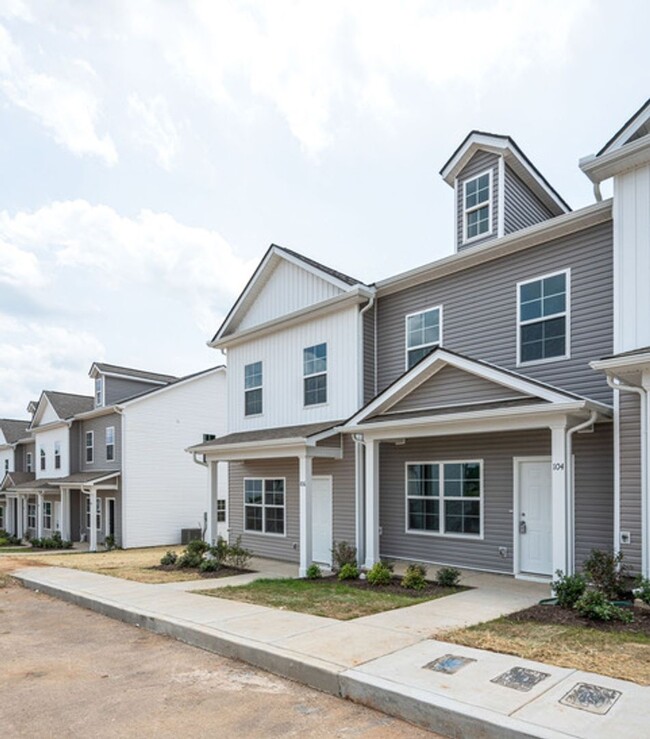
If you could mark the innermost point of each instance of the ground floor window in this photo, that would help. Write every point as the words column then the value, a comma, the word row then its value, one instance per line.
column 444, row 498
column 2, row 518
column 98, row 512
column 47, row 514
column 264, row 505
column 221, row 511
column 31, row 515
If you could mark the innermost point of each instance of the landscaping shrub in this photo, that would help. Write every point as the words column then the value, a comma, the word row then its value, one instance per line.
column 314, row 572
column 415, row 577
column 379, row 574
column 197, row 546
column 109, row 543
column 448, row 577
column 220, row 550
column 169, row 558
column 188, row 560
column 642, row 590
column 606, row 572
column 568, row 589
column 53, row 542
column 595, row 605
column 349, row 571
column 343, row 554
column 8, row 540
column 237, row 556
column 209, row 565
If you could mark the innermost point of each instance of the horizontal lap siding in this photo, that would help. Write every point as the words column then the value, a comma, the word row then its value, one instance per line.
column 594, row 490
column 343, row 491
column 497, row 452
column 120, row 388
column 630, row 461
column 478, row 164
column 480, row 312
column 98, row 426
column 522, row 207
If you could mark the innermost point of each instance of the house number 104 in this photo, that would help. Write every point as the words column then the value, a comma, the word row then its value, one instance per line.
column 558, row 466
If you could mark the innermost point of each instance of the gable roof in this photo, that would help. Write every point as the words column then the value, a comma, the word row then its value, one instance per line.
column 65, row 405
column 136, row 374
column 11, row 479
column 274, row 254
column 13, row 430
column 515, row 158
column 636, row 126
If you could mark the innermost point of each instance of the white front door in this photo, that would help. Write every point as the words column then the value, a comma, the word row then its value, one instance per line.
column 321, row 520
column 221, row 502
column 57, row 515
column 534, row 520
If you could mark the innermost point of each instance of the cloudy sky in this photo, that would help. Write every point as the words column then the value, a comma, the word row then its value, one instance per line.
column 151, row 151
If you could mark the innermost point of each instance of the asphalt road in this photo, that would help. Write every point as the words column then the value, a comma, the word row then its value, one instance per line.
column 68, row 672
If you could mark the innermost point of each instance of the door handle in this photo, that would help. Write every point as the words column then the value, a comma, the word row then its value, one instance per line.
column 522, row 527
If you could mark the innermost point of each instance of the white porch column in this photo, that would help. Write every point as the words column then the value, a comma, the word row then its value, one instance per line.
column 93, row 520
column 20, row 516
column 359, row 503
column 65, row 514
column 9, row 523
column 559, row 471
column 39, row 515
column 305, row 484
column 372, row 502
column 213, row 493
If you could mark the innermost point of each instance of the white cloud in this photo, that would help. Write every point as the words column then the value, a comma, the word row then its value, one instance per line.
column 19, row 268
column 66, row 107
column 154, row 127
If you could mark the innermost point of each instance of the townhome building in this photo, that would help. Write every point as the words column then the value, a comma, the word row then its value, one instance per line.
column 113, row 464
column 487, row 410
column 16, row 463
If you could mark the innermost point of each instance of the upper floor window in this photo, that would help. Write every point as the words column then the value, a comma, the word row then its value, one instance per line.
column 253, row 389
column 99, row 391
column 90, row 447
column 543, row 310
column 57, row 455
column 110, row 443
column 6, row 465
column 29, row 464
column 423, row 334
column 47, row 514
column 477, row 206
column 42, row 458
column 315, row 374
column 264, row 505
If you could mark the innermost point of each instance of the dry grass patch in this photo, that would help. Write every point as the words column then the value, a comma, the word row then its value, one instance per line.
column 616, row 654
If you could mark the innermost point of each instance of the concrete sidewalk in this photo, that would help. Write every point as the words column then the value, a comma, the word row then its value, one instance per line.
column 388, row 661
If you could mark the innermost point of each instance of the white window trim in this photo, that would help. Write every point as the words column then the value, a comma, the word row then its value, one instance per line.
column 257, row 387
column 466, row 211
column 408, row 348
column 441, row 512
column 315, row 374
column 98, row 512
column 42, row 457
column 263, row 507
column 110, row 428
column 566, row 313
column 91, row 447
column 57, row 453
column 31, row 517
column 225, row 508
column 47, row 505
column 29, row 462
column 102, row 391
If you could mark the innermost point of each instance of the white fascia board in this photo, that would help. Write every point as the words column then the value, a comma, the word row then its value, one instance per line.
column 255, row 449
column 642, row 116
column 633, row 362
column 3, row 439
column 476, row 142
column 104, row 410
column 38, row 413
column 634, row 154
column 168, row 388
column 355, row 295
column 61, row 423
column 86, row 483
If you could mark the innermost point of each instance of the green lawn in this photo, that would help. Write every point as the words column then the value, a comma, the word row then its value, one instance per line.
column 14, row 550
column 321, row 598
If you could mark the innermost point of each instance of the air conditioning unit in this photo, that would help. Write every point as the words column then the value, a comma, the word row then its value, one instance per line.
column 188, row 535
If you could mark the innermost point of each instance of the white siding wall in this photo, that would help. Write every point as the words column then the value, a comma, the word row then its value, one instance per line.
column 163, row 490
column 6, row 454
column 49, row 414
column 282, row 356
column 45, row 440
column 632, row 260
column 288, row 289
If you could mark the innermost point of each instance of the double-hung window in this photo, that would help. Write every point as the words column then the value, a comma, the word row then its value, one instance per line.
column 315, row 374
column 264, row 505
column 221, row 510
column 477, row 206
column 47, row 515
column 6, row 465
column 253, row 378
column 543, row 318
column 90, row 447
column 98, row 513
column 31, row 515
column 444, row 498
column 110, row 443
column 423, row 334
column 99, row 392
column 57, row 455
column 43, row 459
column 29, row 464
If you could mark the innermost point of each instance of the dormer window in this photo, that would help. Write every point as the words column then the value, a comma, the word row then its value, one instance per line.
column 477, row 206
column 99, row 392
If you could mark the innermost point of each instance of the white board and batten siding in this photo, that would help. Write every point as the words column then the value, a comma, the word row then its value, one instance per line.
column 281, row 354
column 46, row 440
column 164, row 490
column 6, row 455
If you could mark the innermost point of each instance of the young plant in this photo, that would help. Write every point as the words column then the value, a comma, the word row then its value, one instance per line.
column 314, row 572
column 109, row 542
column 595, row 605
column 349, row 571
column 237, row 556
column 568, row 589
column 642, row 590
column 415, row 577
column 448, row 577
column 379, row 574
column 606, row 572
column 168, row 559
column 343, row 554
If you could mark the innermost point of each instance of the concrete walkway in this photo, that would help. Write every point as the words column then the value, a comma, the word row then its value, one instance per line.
column 388, row 661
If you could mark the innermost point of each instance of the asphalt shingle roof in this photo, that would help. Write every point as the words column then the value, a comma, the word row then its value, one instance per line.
column 284, row 432
column 67, row 405
column 13, row 429
column 135, row 373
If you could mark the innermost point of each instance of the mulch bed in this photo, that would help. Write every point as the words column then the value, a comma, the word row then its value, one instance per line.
column 566, row 617
column 395, row 587
column 222, row 572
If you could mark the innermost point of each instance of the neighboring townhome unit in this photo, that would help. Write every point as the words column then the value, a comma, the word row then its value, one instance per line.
column 16, row 466
column 452, row 414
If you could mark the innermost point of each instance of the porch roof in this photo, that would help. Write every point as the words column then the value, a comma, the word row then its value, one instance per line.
column 14, row 478
column 78, row 478
column 446, row 410
column 282, row 433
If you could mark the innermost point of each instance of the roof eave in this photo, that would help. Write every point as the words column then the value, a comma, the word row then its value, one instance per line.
column 600, row 167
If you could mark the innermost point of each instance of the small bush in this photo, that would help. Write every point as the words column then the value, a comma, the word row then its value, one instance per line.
column 448, row 577
column 415, row 577
column 379, row 574
column 209, row 565
column 349, row 571
column 220, row 550
column 606, row 572
column 168, row 559
column 109, row 543
column 343, row 554
column 197, row 546
column 237, row 556
column 188, row 561
column 642, row 590
column 8, row 540
column 314, row 572
column 53, row 542
column 595, row 605
column 568, row 589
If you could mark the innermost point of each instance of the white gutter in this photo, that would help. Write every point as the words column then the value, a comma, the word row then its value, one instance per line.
column 617, row 384
column 196, row 460
column 360, row 352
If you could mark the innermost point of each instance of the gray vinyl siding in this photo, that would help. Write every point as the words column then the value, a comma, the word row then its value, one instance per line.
column 28, row 448
column 594, row 490
column 343, row 491
column 522, row 208
column 480, row 312
column 75, row 515
column 369, row 355
column 451, row 386
column 98, row 426
column 101, row 534
column 118, row 388
column 630, row 475
column 478, row 164
column 497, row 452
column 19, row 458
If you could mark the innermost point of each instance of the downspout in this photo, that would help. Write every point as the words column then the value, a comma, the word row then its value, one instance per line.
column 597, row 193
column 368, row 306
column 617, row 384
column 571, row 497
column 359, row 498
column 196, row 459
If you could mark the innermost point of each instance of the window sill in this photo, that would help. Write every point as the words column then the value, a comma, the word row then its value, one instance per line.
column 548, row 360
column 472, row 239
column 439, row 535
column 263, row 533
